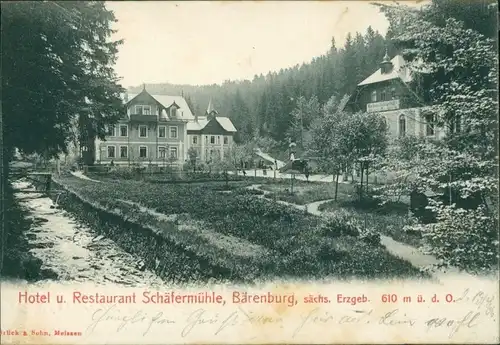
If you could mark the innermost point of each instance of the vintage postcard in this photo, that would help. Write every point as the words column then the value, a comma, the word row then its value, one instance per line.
column 249, row 172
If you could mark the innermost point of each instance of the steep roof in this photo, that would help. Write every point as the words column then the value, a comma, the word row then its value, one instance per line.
column 197, row 125
column 399, row 70
column 186, row 114
column 225, row 123
column 167, row 101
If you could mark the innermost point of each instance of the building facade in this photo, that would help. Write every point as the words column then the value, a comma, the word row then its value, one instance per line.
column 159, row 130
column 388, row 92
column 211, row 135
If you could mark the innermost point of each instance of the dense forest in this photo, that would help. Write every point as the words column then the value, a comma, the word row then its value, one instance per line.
column 264, row 105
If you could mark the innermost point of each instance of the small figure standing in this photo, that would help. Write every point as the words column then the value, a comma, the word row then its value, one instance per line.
column 306, row 171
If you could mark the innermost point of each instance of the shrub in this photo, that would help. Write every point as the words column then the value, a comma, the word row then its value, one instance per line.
column 344, row 223
column 370, row 236
column 294, row 240
column 341, row 223
column 245, row 191
column 466, row 239
column 123, row 172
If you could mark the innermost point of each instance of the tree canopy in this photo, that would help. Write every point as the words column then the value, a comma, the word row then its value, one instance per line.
column 461, row 169
column 57, row 74
column 263, row 106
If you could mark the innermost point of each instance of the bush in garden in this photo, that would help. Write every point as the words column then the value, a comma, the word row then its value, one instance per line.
column 326, row 252
column 341, row 223
column 466, row 239
column 370, row 236
column 245, row 191
column 123, row 172
column 344, row 223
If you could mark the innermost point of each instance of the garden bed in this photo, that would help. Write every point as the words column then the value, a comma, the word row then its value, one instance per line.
column 307, row 192
column 388, row 220
column 174, row 247
column 296, row 248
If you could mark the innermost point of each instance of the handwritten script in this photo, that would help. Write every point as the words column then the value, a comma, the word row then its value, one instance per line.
column 478, row 308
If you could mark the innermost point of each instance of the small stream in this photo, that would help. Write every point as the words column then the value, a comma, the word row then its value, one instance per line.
column 76, row 253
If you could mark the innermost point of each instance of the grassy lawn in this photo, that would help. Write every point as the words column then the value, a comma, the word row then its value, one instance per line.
column 388, row 220
column 307, row 192
column 294, row 241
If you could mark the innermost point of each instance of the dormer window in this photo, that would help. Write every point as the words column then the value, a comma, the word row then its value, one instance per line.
column 173, row 112
column 143, row 109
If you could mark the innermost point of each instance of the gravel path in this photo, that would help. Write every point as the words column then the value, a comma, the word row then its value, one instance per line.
column 401, row 250
column 80, row 174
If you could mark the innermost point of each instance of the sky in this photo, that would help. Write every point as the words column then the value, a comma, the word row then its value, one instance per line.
column 205, row 42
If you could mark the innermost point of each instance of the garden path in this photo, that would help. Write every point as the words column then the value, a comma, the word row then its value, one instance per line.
column 236, row 245
column 401, row 250
column 80, row 174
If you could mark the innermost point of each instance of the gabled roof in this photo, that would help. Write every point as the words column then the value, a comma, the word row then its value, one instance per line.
column 399, row 71
column 197, row 125
column 225, row 123
column 165, row 100
column 175, row 104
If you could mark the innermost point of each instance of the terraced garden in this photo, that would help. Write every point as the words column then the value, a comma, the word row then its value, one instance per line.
column 235, row 235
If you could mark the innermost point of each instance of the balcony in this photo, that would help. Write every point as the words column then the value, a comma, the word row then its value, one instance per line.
column 143, row 118
column 382, row 106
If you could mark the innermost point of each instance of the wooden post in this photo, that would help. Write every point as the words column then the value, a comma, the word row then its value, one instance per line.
column 367, row 176
column 449, row 188
column 47, row 183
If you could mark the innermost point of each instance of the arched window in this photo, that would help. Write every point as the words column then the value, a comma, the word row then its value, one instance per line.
column 402, row 125
column 384, row 119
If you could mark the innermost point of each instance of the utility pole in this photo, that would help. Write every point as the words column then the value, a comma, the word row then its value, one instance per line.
column 301, row 130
